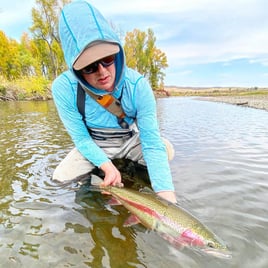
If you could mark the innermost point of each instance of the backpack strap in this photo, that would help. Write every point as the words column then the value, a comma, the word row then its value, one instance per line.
column 81, row 101
column 108, row 102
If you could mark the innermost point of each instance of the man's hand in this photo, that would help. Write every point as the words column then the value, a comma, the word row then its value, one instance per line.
column 112, row 174
column 168, row 195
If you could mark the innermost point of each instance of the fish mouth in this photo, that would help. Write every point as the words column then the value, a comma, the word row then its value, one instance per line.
column 219, row 253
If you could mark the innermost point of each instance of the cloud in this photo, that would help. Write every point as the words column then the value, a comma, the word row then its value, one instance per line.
column 13, row 12
column 15, row 17
column 198, row 32
column 190, row 32
column 219, row 35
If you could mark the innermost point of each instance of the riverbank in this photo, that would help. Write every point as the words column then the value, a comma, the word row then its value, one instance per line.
column 38, row 88
column 25, row 88
column 253, row 101
column 249, row 97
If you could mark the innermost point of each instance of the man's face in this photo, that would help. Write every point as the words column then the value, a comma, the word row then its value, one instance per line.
column 101, row 74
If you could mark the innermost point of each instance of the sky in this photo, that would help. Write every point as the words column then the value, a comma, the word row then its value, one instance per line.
column 208, row 43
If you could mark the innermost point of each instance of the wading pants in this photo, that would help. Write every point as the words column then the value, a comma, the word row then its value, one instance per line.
column 120, row 146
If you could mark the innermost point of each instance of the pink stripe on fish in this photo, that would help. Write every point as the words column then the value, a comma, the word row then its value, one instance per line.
column 191, row 238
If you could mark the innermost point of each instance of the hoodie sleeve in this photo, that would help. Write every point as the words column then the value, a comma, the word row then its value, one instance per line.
column 65, row 96
column 153, row 148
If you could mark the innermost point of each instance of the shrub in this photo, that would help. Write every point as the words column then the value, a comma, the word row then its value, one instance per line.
column 35, row 87
column 26, row 88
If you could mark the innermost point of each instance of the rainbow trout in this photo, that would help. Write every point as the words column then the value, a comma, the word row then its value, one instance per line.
column 170, row 221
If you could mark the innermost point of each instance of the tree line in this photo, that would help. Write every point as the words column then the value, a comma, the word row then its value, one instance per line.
column 38, row 54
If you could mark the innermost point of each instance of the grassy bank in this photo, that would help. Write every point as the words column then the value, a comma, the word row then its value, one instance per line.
column 215, row 91
column 26, row 88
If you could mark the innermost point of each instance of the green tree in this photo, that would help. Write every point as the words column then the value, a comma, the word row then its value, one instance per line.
column 46, row 38
column 143, row 55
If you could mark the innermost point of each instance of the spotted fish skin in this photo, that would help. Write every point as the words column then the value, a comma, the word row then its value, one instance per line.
column 171, row 221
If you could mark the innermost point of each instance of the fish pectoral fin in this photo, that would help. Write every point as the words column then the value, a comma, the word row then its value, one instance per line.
column 114, row 202
column 174, row 241
column 131, row 220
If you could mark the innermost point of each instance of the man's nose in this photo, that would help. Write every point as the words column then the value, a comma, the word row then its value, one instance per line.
column 101, row 68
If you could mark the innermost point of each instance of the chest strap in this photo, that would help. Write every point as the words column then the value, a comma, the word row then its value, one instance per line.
column 109, row 102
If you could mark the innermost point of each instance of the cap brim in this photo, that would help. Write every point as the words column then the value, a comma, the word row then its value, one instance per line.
column 95, row 52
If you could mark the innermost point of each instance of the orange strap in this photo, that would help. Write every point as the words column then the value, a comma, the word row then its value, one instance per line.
column 109, row 102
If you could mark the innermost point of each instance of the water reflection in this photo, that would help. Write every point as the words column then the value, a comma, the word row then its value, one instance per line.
column 220, row 170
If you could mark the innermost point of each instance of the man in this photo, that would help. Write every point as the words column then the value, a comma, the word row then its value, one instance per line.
column 96, row 62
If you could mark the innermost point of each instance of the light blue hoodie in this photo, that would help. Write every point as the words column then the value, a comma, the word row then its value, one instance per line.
column 81, row 24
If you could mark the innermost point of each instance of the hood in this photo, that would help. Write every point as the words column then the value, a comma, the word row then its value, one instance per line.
column 81, row 24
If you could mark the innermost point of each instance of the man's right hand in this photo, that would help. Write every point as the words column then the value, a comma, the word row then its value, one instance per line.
column 112, row 174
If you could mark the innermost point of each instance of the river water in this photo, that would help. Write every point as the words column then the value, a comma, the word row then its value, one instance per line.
column 220, row 172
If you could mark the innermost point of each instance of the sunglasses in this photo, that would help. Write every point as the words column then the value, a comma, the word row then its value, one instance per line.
column 93, row 67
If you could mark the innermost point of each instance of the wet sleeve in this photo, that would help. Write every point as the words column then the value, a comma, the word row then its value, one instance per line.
column 153, row 148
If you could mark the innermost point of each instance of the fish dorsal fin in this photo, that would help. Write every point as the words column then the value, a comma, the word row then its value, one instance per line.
column 146, row 190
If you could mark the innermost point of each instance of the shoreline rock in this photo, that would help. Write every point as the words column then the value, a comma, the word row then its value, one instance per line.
column 253, row 101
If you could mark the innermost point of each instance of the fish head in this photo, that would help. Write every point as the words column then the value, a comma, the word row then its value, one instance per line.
column 208, row 243
column 217, row 249
column 215, row 244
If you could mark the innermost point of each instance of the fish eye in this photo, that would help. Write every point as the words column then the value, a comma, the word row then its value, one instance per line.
column 211, row 244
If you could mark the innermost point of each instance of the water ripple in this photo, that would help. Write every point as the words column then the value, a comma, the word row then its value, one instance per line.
column 220, row 173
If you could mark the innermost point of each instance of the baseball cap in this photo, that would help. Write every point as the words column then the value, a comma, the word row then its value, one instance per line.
column 94, row 52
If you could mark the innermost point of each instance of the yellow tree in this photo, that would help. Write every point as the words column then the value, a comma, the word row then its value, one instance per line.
column 45, row 34
column 143, row 55
column 9, row 54
column 4, row 53
column 29, row 60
